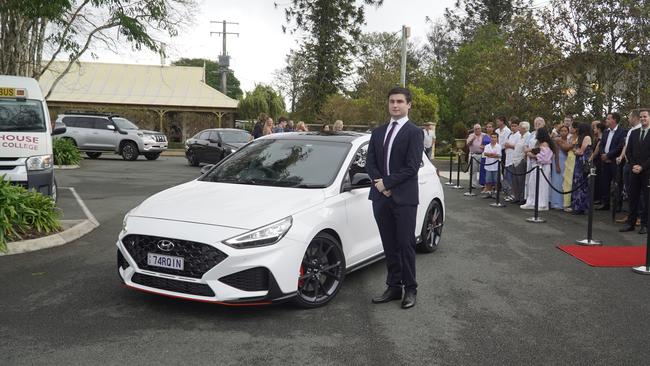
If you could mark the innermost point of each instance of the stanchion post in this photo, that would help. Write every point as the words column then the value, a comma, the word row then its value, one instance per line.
column 590, row 241
column 458, row 186
column 451, row 170
column 498, row 202
column 646, row 269
column 536, row 219
column 471, row 173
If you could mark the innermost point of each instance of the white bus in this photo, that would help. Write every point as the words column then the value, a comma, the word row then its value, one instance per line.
column 26, row 135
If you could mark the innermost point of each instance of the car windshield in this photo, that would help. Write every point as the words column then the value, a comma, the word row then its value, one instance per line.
column 21, row 115
column 235, row 137
column 124, row 124
column 282, row 163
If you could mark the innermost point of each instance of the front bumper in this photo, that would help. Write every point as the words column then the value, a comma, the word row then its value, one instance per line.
column 154, row 147
column 253, row 276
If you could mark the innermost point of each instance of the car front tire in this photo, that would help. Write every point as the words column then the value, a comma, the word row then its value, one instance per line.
column 130, row 151
column 431, row 229
column 191, row 158
column 322, row 272
column 94, row 155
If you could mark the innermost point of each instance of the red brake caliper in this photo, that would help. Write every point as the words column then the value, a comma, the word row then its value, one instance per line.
column 302, row 273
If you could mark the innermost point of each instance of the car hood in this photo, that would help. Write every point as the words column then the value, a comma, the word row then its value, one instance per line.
column 147, row 132
column 233, row 205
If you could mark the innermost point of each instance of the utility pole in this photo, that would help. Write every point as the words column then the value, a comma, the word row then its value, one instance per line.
column 224, row 59
column 406, row 33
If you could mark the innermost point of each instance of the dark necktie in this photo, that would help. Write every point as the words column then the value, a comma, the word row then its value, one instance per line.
column 387, row 145
column 642, row 134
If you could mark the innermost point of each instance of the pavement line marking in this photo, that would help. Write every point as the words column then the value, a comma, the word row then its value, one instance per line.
column 85, row 209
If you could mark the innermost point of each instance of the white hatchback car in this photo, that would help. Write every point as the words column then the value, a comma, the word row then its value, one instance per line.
column 284, row 217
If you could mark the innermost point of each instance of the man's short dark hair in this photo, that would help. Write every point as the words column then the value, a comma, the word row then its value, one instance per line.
column 282, row 119
column 647, row 110
column 401, row 90
column 502, row 119
column 616, row 116
column 514, row 119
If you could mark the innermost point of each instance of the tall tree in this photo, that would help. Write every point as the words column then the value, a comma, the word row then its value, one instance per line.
column 263, row 99
column 213, row 77
column 469, row 15
column 289, row 80
column 332, row 28
column 31, row 29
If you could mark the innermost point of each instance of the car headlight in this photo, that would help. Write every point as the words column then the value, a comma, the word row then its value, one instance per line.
column 267, row 235
column 40, row 162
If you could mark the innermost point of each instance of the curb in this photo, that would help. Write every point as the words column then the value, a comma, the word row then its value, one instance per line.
column 79, row 229
column 66, row 167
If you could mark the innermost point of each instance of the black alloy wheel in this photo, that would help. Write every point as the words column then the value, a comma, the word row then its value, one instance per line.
column 152, row 156
column 191, row 158
column 94, row 155
column 130, row 151
column 431, row 229
column 321, row 273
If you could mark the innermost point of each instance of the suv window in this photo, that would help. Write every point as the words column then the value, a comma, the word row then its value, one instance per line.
column 204, row 135
column 357, row 172
column 81, row 122
column 100, row 123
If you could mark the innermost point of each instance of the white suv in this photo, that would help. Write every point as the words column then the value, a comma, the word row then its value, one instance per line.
column 97, row 133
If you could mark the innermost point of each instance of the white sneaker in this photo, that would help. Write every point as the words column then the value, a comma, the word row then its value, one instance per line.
column 527, row 207
column 542, row 208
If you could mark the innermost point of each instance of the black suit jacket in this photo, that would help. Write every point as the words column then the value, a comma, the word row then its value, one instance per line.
column 639, row 151
column 405, row 161
column 617, row 144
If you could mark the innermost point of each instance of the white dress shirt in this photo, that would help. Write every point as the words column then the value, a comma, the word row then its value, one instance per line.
column 400, row 123
column 610, row 136
column 510, row 152
column 629, row 132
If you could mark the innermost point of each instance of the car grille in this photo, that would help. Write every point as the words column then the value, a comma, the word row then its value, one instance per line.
column 173, row 285
column 121, row 261
column 198, row 257
column 254, row 279
column 160, row 138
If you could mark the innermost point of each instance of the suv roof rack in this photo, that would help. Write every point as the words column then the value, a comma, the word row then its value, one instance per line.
column 93, row 113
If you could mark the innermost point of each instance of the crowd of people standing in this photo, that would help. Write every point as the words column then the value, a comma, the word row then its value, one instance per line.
column 565, row 156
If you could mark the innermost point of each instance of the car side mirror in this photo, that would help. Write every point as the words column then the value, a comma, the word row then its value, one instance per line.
column 206, row 168
column 110, row 127
column 59, row 131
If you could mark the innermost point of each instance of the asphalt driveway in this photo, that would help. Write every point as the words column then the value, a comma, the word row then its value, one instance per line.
column 496, row 292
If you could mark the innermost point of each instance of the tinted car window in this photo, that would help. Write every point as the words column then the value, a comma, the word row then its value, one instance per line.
column 204, row 135
column 100, row 123
column 236, row 137
column 357, row 170
column 214, row 135
column 81, row 122
column 283, row 163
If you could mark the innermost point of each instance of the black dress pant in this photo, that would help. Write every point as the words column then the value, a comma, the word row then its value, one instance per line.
column 608, row 173
column 396, row 225
column 638, row 194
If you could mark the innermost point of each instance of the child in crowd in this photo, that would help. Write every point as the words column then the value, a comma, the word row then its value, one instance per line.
column 492, row 153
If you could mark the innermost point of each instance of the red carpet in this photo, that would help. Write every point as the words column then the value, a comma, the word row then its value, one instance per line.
column 607, row 256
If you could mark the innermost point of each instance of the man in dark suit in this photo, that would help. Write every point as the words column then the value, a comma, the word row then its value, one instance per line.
column 611, row 146
column 394, row 158
column 638, row 151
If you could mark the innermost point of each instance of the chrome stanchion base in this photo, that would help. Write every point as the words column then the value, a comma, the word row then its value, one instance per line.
column 467, row 194
column 538, row 220
column 497, row 204
column 587, row 242
column 450, row 183
column 457, row 187
column 642, row 270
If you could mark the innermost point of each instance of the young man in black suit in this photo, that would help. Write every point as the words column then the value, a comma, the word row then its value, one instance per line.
column 394, row 158
column 611, row 146
column 638, row 151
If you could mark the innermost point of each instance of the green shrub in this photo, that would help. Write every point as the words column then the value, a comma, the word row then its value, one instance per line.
column 65, row 152
column 460, row 130
column 24, row 212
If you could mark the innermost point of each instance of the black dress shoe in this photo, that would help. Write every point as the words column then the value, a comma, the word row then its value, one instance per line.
column 602, row 208
column 390, row 294
column 409, row 299
column 643, row 230
column 626, row 229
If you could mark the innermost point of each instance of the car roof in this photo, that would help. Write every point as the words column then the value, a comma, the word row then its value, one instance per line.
column 340, row 136
column 225, row 129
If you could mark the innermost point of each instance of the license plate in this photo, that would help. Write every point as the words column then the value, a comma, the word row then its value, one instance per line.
column 165, row 261
column 7, row 92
